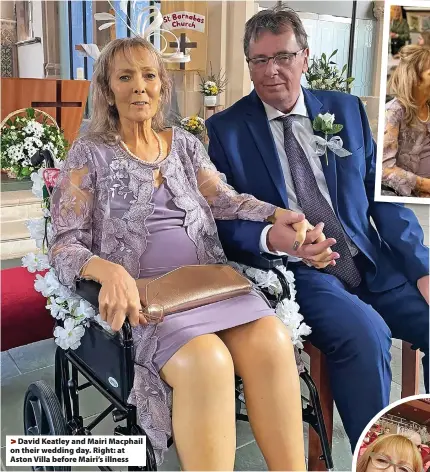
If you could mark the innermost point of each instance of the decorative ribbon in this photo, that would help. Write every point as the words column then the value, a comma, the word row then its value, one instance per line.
column 335, row 144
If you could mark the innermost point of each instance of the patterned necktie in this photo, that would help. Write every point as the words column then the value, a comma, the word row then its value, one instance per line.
column 315, row 206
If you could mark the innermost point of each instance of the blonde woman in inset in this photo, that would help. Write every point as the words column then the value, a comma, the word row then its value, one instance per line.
column 392, row 452
column 406, row 155
column 424, row 39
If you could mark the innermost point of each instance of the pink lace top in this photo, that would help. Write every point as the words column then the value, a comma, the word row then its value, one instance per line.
column 103, row 198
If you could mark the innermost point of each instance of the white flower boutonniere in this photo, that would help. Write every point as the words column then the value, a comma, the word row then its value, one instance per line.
column 325, row 124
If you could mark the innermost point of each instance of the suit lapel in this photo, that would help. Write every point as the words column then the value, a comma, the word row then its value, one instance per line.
column 314, row 107
column 259, row 128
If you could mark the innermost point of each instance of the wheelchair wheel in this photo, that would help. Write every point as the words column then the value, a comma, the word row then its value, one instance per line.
column 43, row 416
column 150, row 456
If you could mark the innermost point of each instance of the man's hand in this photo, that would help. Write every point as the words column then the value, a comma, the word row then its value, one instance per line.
column 423, row 285
column 316, row 248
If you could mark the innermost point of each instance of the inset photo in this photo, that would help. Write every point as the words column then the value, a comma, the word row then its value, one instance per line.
column 403, row 172
column 398, row 440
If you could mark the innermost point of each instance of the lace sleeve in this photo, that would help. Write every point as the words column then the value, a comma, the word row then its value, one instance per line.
column 71, row 215
column 402, row 181
column 225, row 202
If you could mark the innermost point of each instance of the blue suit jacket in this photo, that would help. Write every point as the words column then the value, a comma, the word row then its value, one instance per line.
column 242, row 147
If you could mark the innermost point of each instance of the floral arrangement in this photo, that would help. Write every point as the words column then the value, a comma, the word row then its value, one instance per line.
column 22, row 136
column 214, row 84
column 323, row 74
column 194, row 124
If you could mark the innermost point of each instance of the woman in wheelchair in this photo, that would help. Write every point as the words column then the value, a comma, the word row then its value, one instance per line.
column 135, row 200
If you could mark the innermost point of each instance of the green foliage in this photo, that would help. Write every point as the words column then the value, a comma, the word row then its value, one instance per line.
column 323, row 74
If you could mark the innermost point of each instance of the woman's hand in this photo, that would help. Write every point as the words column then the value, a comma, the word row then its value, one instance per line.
column 310, row 243
column 119, row 296
column 423, row 185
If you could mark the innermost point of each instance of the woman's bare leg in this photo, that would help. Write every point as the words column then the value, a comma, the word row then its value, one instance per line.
column 201, row 374
column 263, row 356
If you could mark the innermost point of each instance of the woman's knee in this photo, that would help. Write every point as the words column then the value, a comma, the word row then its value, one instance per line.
column 267, row 341
column 203, row 359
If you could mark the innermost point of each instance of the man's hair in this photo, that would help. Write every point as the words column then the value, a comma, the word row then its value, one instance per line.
column 276, row 20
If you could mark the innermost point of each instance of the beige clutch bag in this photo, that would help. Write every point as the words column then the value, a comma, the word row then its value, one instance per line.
column 189, row 287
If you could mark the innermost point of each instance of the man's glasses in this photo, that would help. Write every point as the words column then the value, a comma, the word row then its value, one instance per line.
column 382, row 462
column 285, row 59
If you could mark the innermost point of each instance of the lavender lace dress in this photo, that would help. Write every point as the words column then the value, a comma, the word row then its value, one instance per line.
column 406, row 149
column 105, row 204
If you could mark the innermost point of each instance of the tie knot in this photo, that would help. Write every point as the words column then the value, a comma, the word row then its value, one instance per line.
column 287, row 121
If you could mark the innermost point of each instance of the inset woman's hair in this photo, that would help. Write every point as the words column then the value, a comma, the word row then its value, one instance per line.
column 387, row 444
column 104, row 122
column 414, row 61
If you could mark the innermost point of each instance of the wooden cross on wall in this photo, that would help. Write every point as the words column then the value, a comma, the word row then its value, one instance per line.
column 58, row 104
column 183, row 45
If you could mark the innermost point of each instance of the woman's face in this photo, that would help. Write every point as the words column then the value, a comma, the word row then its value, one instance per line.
column 420, row 41
column 381, row 462
column 136, row 85
column 396, row 12
column 425, row 80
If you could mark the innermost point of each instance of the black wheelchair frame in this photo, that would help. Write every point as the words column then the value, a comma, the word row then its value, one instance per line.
column 107, row 363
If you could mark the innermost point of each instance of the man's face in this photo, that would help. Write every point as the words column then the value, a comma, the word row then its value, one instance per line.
column 278, row 84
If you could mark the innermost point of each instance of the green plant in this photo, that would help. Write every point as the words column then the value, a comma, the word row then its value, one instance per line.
column 323, row 74
column 213, row 84
column 22, row 136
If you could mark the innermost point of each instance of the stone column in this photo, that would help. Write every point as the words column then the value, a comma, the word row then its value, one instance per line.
column 238, row 13
column 51, row 37
column 378, row 12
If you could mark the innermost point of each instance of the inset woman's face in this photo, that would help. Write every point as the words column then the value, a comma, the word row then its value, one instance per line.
column 383, row 460
column 425, row 80
column 136, row 85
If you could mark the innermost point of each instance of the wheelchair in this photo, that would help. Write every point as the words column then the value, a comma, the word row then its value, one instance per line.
column 106, row 361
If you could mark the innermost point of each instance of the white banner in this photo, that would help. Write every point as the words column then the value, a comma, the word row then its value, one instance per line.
column 184, row 20
column 75, row 451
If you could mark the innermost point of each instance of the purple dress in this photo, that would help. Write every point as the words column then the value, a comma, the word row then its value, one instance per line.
column 105, row 204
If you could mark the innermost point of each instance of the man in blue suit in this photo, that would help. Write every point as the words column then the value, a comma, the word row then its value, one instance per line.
column 372, row 284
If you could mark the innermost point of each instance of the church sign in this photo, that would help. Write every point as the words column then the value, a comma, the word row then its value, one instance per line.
column 187, row 20
column 184, row 20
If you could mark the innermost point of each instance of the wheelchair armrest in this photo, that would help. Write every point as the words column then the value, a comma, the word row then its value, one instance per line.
column 263, row 261
column 89, row 290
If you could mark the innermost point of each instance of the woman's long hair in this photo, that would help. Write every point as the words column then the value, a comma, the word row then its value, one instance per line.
column 414, row 60
column 104, row 124
column 386, row 443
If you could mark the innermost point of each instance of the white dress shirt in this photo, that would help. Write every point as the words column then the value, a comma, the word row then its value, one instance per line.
column 277, row 130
